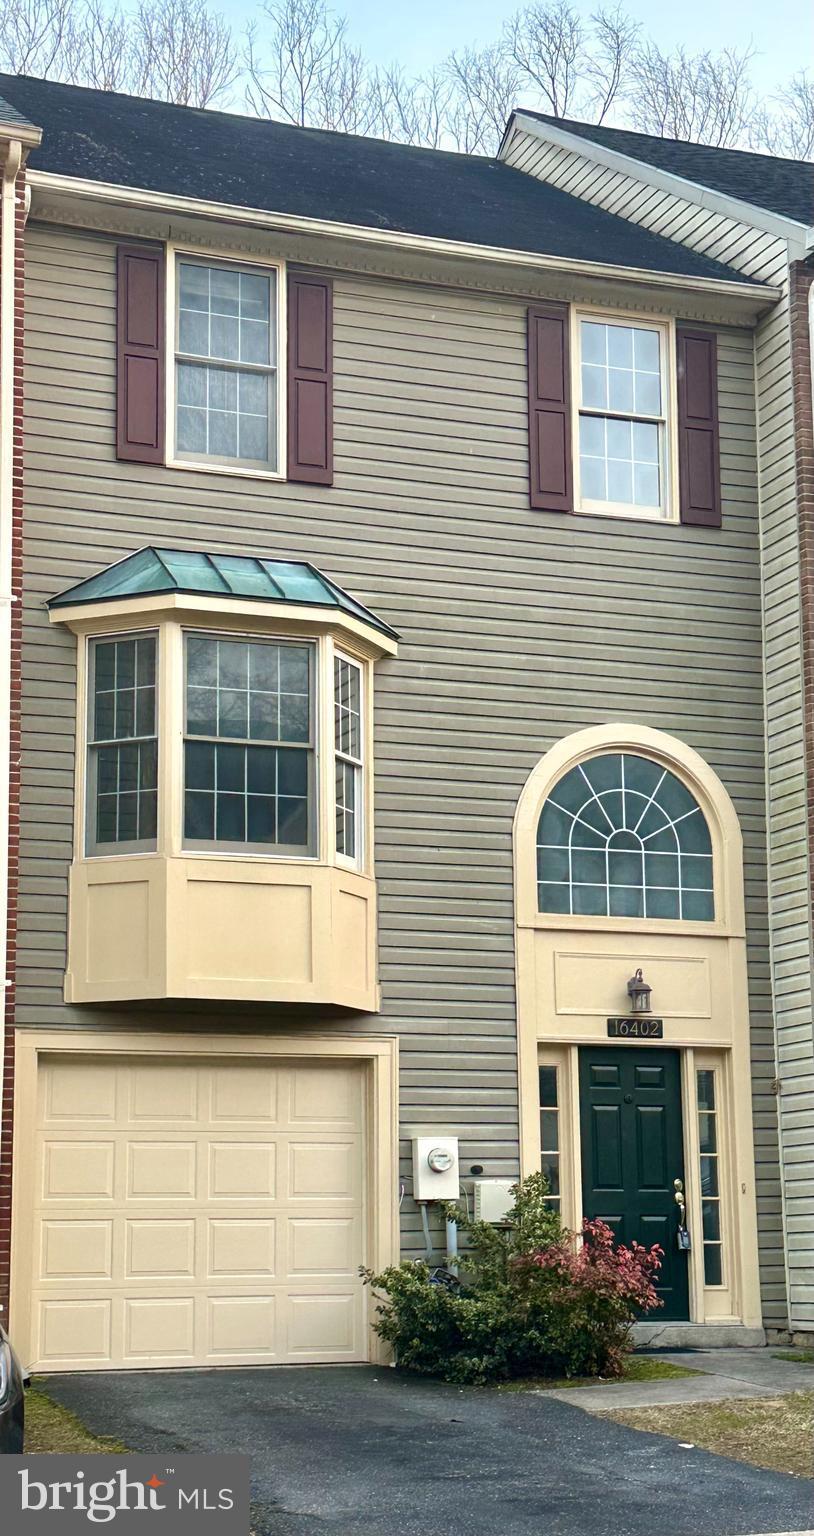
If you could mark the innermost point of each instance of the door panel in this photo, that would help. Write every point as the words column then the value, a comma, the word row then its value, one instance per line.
column 632, row 1151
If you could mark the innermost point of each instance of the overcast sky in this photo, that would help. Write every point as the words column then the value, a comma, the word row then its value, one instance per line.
column 418, row 33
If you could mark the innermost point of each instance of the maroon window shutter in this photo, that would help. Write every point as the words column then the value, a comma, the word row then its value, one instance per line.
column 140, row 354
column 550, row 472
column 310, row 379
column 699, row 464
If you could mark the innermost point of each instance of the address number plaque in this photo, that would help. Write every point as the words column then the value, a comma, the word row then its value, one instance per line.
column 636, row 1029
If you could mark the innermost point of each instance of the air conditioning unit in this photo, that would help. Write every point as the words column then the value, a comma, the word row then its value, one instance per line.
column 493, row 1199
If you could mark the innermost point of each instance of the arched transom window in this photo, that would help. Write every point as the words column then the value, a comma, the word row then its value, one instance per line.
column 622, row 836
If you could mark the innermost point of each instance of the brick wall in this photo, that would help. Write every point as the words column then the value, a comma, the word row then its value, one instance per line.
column 14, row 766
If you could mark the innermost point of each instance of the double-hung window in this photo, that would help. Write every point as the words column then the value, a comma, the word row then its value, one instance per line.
column 249, row 772
column 348, row 739
column 226, row 365
column 122, row 745
column 621, row 390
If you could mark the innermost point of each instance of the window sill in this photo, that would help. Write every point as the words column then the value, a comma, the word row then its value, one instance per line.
column 203, row 467
column 627, row 515
column 221, row 929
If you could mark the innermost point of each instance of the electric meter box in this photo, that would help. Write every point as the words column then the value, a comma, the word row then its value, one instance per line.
column 436, row 1175
column 493, row 1199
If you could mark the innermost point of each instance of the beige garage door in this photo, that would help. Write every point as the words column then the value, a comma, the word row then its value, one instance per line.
column 198, row 1213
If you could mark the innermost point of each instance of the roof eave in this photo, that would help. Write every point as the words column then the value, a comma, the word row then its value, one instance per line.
column 792, row 230
column 86, row 616
column 24, row 133
column 756, row 296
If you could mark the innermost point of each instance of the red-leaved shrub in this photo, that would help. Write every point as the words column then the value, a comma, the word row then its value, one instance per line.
column 535, row 1299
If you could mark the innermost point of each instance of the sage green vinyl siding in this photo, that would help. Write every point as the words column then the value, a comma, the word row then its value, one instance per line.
column 517, row 627
column 764, row 256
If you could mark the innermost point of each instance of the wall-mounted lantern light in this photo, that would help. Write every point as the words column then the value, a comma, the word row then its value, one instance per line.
column 639, row 993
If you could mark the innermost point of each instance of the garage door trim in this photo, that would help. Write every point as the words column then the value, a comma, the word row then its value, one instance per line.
column 378, row 1053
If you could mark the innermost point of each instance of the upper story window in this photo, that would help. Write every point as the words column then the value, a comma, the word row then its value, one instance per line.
column 122, row 744
column 622, row 836
column 249, row 779
column 622, row 409
column 227, row 396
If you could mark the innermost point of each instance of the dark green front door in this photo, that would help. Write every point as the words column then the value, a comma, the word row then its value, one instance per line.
column 632, row 1151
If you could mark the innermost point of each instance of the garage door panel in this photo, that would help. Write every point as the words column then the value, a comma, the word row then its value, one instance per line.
column 323, row 1246
column 216, row 1217
column 243, row 1326
column 77, row 1331
column 244, row 1098
column 242, row 1247
column 156, row 1326
column 91, row 1098
column 324, row 1170
column 157, row 1248
column 74, row 1170
column 242, row 1170
column 161, row 1170
column 163, row 1092
column 76, row 1250
column 324, row 1096
column 322, row 1326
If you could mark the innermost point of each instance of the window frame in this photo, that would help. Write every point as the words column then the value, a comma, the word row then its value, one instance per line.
column 668, row 513
column 359, row 765
column 91, row 847
column 215, row 847
column 176, row 253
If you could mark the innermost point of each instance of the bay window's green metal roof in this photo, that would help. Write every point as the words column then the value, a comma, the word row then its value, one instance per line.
column 152, row 571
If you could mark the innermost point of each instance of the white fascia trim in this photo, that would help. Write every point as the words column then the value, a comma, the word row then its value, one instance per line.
column 25, row 134
column 797, row 234
column 160, row 202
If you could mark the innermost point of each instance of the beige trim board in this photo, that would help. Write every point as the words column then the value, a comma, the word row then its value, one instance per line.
column 378, row 1053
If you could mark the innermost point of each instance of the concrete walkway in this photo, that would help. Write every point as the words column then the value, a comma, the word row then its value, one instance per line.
column 725, row 1373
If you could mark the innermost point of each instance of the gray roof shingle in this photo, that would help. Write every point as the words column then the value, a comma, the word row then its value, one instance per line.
column 245, row 162
column 767, row 181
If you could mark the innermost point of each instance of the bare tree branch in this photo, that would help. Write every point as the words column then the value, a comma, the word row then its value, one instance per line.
column 789, row 130
column 34, row 36
column 485, row 82
column 546, row 41
column 182, row 51
column 293, row 60
column 98, row 48
column 704, row 98
column 608, row 65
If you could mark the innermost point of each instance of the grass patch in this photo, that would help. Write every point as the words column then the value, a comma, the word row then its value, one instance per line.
column 776, row 1433
column 51, row 1428
column 636, row 1368
column 796, row 1356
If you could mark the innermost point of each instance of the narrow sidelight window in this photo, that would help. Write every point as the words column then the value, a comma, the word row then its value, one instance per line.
column 226, row 361
column 249, row 779
column 348, row 734
column 710, row 1177
column 550, row 1133
column 622, row 418
column 122, row 745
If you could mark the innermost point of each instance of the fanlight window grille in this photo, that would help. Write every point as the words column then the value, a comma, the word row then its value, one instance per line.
column 622, row 836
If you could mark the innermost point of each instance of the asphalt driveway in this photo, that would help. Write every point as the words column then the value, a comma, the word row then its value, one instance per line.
column 361, row 1451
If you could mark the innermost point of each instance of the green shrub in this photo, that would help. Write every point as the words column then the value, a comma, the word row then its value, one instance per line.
column 533, row 1299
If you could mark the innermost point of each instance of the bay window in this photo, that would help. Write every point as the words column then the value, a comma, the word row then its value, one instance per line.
column 249, row 780
column 348, row 736
column 223, row 846
column 122, row 745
